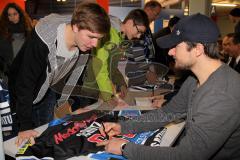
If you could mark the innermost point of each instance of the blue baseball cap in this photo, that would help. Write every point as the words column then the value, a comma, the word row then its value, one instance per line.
column 195, row 28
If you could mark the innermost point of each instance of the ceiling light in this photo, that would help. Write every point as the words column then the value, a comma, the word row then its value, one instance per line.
column 224, row 4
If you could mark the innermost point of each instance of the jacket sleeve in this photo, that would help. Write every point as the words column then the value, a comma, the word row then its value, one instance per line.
column 115, row 75
column 100, row 69
column 102, row 65
column 29, row 72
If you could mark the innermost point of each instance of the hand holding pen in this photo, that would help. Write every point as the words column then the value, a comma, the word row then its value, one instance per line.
column 110, row 129
column 104, row 131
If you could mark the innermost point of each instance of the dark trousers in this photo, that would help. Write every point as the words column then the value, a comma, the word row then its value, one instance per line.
column 81, row 102
column 43, row 112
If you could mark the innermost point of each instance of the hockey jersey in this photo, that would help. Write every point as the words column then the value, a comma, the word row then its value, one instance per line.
column 74, row 137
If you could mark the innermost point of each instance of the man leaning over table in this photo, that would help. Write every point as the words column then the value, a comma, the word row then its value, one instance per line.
column 209, row 101
column 57, row 43
column 102, row 72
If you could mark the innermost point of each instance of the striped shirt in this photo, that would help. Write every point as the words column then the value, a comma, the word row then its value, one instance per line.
column 5, row 112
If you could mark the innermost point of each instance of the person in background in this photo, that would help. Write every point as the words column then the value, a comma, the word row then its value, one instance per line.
column 102, row 72
column 209, row 101
column 15, row 27
column 226, row 48
column 152, row 9
column 234, row 52
column 143, row 50
column 234, row 16
column 57, row 48
column 161, row 55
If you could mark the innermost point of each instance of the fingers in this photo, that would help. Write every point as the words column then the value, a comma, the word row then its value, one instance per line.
column 111, row 133
column 108, row 127
column 158, row 97
column 24, row 136
column 81, row 110
column 157, row 103
column 105, row 129
column 103, row 143
column 18, row 141
column 102, row 132
column 35, row 134
column 21, row 140
column 32, row 141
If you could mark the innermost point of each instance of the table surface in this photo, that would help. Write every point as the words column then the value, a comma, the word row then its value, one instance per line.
column 173, row 130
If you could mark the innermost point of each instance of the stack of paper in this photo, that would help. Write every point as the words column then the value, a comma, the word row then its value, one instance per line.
column 143, row 101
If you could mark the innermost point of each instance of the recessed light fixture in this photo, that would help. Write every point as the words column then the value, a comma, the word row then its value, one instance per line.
column 224, row 4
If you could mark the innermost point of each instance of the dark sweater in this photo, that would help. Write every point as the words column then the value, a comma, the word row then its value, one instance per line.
column 6, row 55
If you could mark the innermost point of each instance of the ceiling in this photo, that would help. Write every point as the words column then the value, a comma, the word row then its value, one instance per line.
column 227, row 1
column 224, row 11
column 137, row 3
column 42, row 7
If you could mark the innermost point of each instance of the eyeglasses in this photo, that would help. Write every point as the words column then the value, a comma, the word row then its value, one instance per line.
column 138, row 31
column 155, row 13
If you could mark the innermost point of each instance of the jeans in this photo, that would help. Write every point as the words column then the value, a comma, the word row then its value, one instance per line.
column 43, row 112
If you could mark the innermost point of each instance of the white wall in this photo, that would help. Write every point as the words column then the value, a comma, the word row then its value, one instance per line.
column 201, row 6
column 225, row 25
column 120, row 12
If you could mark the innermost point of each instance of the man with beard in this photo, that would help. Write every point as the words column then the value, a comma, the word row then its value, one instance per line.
column 209, row 101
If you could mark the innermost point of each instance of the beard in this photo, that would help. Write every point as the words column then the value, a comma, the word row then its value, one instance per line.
column 182, row 66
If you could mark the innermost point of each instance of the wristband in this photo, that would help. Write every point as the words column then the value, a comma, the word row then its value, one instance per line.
column 123, row 147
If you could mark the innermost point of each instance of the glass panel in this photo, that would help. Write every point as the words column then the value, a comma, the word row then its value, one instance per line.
column 125, row 3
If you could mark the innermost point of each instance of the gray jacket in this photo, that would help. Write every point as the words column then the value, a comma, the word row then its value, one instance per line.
column 33, row 68
column 46, row 29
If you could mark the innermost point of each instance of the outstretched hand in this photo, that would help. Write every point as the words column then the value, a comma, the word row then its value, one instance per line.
column 24, row 136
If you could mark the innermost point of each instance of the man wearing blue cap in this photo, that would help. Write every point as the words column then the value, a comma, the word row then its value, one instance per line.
column 209, row 101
